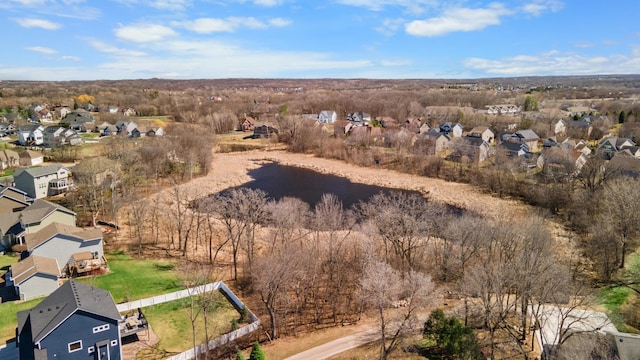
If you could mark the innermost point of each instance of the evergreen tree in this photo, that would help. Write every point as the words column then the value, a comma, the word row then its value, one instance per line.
column 452, row 338
column 622, row 117
column 239, row 356
column 256, row 352
column 530, row 103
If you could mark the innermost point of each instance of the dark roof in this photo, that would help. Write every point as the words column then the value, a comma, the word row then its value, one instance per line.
column 63, row 302
column 512, row 146
column 472, row 140
column 37, row 211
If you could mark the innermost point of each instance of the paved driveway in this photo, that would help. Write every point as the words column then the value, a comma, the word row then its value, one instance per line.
column 337, row 346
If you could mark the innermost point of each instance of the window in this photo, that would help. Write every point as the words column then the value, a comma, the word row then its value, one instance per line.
column 75, row 346
column 114, row 342
column 100, row 328
column 91, row 349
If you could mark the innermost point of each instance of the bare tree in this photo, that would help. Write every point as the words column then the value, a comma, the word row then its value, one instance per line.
column 381, row 287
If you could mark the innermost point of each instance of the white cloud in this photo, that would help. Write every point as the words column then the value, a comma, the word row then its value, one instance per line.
column 110, row 49
column 42, row 50
column 389, row 27
column 230, row 24
column 412, row 6
column 38, row 23
column 171, row 5
column 458, row 19
column 537, row 7
column 268, row 3
column 70, row 58
column 144, row 32
column 555, row 63
column 279, row 22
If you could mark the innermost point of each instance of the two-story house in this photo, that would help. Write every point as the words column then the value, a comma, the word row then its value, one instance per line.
column 31, row 135
column 76, row 321
column 40, row 182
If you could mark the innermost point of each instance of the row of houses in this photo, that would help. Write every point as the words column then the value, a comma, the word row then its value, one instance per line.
column 50, row 243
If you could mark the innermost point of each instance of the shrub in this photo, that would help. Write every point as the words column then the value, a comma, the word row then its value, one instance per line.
column 451, row 337
column 256, row 352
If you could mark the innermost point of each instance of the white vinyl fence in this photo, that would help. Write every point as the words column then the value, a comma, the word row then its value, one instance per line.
column 254, row 322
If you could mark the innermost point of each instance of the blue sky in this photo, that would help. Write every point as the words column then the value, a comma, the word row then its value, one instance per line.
column 194, row 39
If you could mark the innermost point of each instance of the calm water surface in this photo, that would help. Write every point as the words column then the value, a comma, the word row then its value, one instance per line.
column 279, row 181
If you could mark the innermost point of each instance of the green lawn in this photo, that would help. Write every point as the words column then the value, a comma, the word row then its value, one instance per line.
column 172, row 322
column 7, row 259
column 130, row 279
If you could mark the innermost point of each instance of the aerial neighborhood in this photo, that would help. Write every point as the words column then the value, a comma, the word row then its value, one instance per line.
column 504, row 212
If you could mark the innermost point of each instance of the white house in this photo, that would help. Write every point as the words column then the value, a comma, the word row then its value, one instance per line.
column 327, row 117
column 40, row 182
column 30, row 135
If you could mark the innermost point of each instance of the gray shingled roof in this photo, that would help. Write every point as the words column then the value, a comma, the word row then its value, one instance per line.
column 39, row 170
column 32, row 265
column 59, row 305
column 35, row 212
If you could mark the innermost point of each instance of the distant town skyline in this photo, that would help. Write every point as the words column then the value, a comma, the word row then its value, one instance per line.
column 379, row 39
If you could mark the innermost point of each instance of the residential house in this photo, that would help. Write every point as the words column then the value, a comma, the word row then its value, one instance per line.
column 76, row 321
column 579, row 145
column 131, row 129
column 76, row 119
column 433, row 142
column 61, row 242
column 62, row 112
column 327, row 117
column 399, row 138
column 559, row 127
column 12, row 199
column 580, row 129
column 247, row 124
column 561, row 161
column 528, row 137
column 113, row 109
column 155, row 131
column 100, row 128
column 609, row 146
column 9, row 159
column 470, row 148
column 34, row 277
column 31, row 135
column 504, row 109
column 626, row 164
column 359, row 118
column 37, row 215
column 110, row 130
column 451, row 129
column 42, row 115
column 482, row 132
column 424, row 128
column 515, row 149
column 6, row 129
column 129, row 112
column 265, row 131
column 31, row 158
column 55, row 136
column 40, row 182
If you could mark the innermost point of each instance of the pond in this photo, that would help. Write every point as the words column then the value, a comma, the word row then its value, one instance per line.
column 280, row 181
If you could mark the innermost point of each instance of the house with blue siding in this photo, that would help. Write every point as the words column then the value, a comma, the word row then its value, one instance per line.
column 77, row 321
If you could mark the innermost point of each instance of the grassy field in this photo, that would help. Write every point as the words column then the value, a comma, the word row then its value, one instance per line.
column 7, row 259
column 172, row 323
column 612, row 299
column 131, row 279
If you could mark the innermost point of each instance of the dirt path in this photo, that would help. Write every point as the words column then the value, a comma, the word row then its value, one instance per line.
column 361, row 337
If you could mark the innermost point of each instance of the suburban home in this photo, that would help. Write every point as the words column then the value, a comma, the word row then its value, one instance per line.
column 38, row 215
column 12, row 199
column 432, row 142
column 504, row 109
column 155, row 131
column 609, row 146
column 129, row 112
column 40, row 182
column 31, row 158
column 451, row 129
column 482, row 132
column 6, row 129
column 528, row 137
column 515, row 149
column 327, row 117
column 399, row 138
column 55, row 136
column 559, row 127
column 265, row 131
column 247, row 124
column 76, row 119
column 42, row 115
column 561, row 161
column 76, row 321
column 359, row 118
column 60, row 242
column 34, row 277
column 31, row 135
column 110, row 130
column 9, row 159
column 471, row 148
column 113, row 109
column 62, row 111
